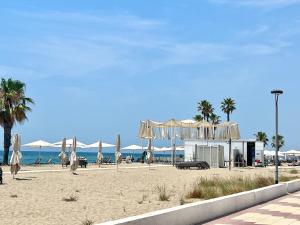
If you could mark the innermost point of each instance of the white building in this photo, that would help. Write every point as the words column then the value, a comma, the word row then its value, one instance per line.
column 250, row 149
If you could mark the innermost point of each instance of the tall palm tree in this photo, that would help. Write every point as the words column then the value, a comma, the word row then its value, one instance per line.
column 198, row 118
column 280, row 141
column 13, row 109
column 228, row 106
column 215, row 119
column 206, row 109
column 262, row 136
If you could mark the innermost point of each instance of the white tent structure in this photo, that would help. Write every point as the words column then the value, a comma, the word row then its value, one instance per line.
column 39, row 144
column 96, row 145
column 69, row 144
column 16, row 156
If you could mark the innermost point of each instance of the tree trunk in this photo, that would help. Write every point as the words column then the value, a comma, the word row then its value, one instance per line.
column 228, row 119
column 7, row 143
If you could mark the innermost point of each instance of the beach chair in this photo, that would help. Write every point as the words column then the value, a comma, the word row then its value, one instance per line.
column 128, row 159
column 38, row 161
column 50, row 162
column 1, row 172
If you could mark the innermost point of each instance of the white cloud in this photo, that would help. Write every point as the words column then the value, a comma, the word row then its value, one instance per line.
column 259, row 3
column 98, row 51
column 97, row 17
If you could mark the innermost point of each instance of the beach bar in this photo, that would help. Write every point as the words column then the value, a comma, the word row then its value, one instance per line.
column 245, row 152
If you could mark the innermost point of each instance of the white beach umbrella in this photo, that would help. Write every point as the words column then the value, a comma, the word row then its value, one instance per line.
column 163, row 149
column 69, row 144
column 118, row 150
column 73, row 156
column 99, row 155
column 39, row 144
column 62, row 155
column 96, row 145
column 134, row 147
column 272, row 153
column 16, row 156
column 292, row 152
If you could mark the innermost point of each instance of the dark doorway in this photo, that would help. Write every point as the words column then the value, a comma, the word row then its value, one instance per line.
column 250, row 153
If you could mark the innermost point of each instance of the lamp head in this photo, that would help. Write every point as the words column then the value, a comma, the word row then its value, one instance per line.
column 277, row 92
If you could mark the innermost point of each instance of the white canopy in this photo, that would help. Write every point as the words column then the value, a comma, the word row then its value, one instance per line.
column 96, row 145
column 69, row 143
column 188, row 129
column 168, row 149
column 134, row 147
column 272, row 153
column 292, row 152
column 39, row 144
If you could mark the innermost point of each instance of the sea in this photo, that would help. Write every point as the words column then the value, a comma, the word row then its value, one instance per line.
column 30, row 156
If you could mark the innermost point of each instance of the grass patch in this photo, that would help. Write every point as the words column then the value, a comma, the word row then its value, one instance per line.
column 144, row 197
column 162, row 193
column 13, row 196
column 293, row 171
column 207, row 188
column 87, row 222
column 182, row 201
column 71, row 198
column 284, row 178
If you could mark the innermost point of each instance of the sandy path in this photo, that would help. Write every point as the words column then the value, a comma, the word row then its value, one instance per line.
column 102, row 195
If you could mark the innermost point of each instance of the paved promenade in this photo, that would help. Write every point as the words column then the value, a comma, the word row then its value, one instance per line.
column 282, row 211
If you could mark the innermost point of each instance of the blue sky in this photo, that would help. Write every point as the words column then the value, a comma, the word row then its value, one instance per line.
column 96, row 68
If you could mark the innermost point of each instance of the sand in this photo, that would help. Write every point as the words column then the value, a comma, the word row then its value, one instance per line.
column 36, row 196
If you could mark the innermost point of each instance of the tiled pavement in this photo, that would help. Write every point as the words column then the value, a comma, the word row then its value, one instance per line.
column 282, row 211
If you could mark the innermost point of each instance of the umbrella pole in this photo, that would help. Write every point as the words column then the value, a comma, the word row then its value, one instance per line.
column 39, row 155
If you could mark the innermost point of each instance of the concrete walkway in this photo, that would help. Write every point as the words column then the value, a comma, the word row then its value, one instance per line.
column 282, row 211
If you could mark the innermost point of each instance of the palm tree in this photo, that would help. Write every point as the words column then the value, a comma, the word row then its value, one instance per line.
column 206, row 109
column 228, row 106
column 198, row 118
column 215, row 119
column 262, row 136
column 280, row 141
column 13, row 109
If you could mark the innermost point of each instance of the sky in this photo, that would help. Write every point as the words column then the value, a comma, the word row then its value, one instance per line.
column 96, row 68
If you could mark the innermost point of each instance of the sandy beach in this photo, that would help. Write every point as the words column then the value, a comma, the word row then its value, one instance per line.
column 36, row 196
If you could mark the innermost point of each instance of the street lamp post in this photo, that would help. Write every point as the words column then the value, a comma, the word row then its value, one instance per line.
column 276, row 93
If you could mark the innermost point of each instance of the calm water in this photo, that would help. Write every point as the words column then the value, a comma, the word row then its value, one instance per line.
column 29, row 157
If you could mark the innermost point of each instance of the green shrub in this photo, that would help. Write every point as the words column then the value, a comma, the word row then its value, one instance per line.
column 71, row 198
column 293, row 171
column 162, row 193
column 207, row 188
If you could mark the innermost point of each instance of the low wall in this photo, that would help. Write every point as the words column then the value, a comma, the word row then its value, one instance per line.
column 292, row 186
column 202, row 211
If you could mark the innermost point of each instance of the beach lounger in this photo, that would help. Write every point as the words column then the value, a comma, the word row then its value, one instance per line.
column 82, row 162
column 201, row 165
column 38, row 161
column 49, row 161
